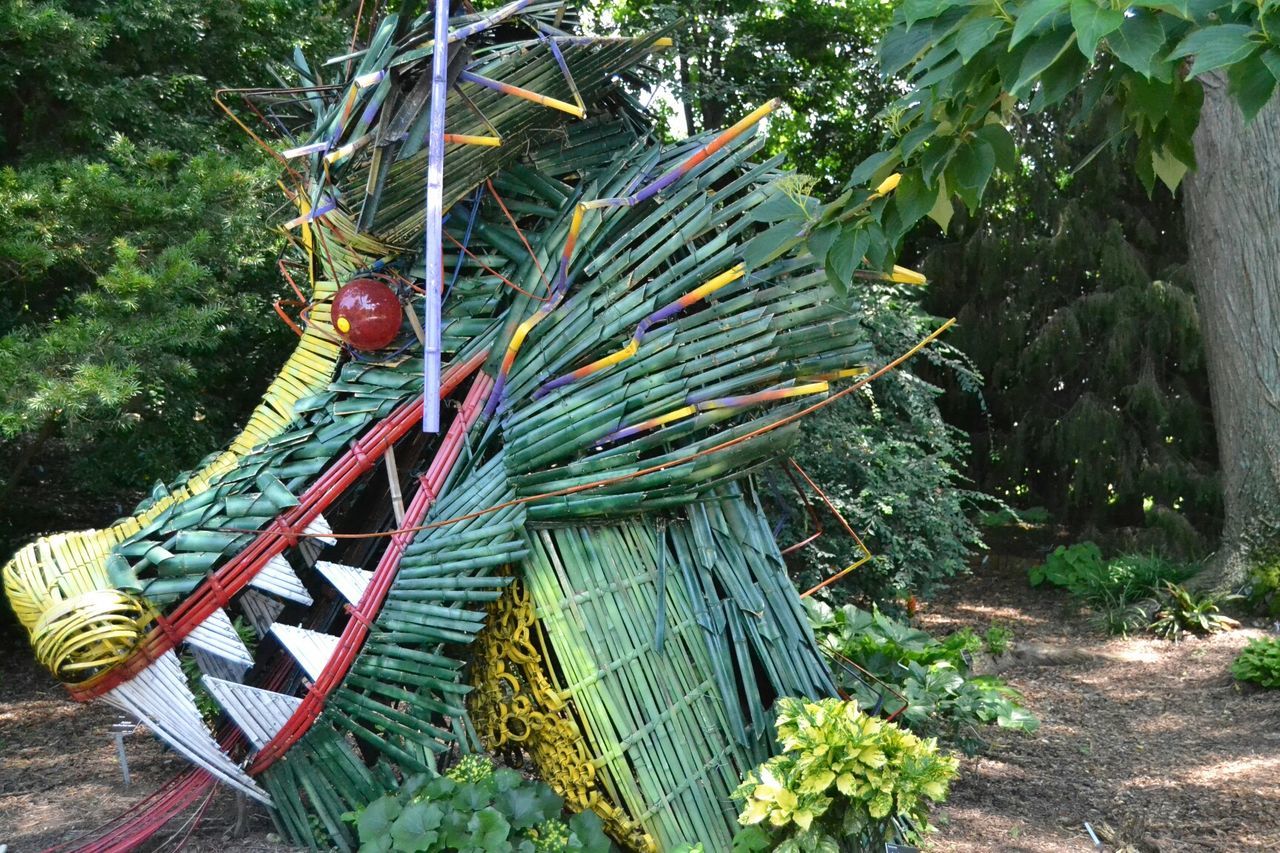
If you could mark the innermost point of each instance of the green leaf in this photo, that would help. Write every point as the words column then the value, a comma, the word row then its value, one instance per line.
column 1035, row 16
column 918, row 10
column 1002, row 145
column 1016, row 717
column 489, row 830
column 1042, row 54
column 821, row 239
column 1168, row 169
column 770, row 244
column 845, row 256
column 1215, row 47
column 777, row 206
column 976, row 34
column 1271, row 59
column 913, row 199
column 589, row 829
column 1093, row 23
column 942, row 208
column 872, row 167
column 1137, row 42
column 375, row 820
column 900, row 47
column 529, row 804
column 1252, row 84
column 415, row 828
column 751, row 839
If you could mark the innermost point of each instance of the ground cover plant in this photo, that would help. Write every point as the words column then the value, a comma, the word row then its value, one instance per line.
column 1259, row 663
column 929, row 682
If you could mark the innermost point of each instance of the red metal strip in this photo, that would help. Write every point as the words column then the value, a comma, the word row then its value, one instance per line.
column 357, row 629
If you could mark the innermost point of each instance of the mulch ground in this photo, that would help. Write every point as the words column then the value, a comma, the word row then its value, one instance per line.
column 1150, row 742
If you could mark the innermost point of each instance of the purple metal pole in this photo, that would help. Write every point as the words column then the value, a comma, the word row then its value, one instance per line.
column 434, row 260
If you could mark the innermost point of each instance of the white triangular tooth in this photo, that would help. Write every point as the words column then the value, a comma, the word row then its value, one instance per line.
column 260, row 714
column 348, row 580
column 260, row 609
column 219, row 667
column 217, row 636
column 277, row 577
column 159, row 697
column 310, row 649
column 319, row 530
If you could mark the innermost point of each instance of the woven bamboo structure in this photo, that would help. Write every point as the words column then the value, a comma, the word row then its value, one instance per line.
column 581, row 572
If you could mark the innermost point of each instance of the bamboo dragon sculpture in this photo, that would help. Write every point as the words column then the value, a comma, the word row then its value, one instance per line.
column 609, row 347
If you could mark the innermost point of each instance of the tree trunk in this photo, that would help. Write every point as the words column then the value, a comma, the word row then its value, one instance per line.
column 1233, row 228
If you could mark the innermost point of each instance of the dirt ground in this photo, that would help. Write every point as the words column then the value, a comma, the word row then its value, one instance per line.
column 1150, row 742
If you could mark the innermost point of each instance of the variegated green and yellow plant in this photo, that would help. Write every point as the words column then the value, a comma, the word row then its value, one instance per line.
column 844, row 780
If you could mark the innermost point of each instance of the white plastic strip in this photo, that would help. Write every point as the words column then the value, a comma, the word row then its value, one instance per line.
column 217, row 636
column 277, row 577
column 348, row 580
column 310, row 649
column 260, row 714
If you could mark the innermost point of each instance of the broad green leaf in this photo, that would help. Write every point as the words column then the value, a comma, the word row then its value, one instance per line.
column 976, row 34
column 376, row 819
column 1168, row 169
column 1035, row 16
column 970, row 170
column 1271, row 59
column 1092, row 23
column 918, row 10
column 1218, row 46
column 913, row 200
column 942, row 208
column 1042, row 54
column 900, row 47
column 528, row 805
column 1138, row 41
column 1252, row 84
column 821, row 239
column 872, row 167
column 589, row 829
column 770, row 244
column 489, row 830
column 415, row 828
column 1001, row 141
column 845, row 255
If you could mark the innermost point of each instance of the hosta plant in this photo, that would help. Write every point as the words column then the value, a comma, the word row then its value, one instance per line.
column 844, row 780
column 475, row 808
column 1259, row 663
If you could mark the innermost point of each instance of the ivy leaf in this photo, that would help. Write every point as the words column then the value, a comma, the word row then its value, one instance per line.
column 1033, row 17
column 1093, row 23
column 1137, row 42
column 1214, row 47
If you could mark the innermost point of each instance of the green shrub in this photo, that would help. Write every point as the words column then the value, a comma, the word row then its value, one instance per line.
column 1113, row 588
column 1264, row 588
column 1183, row 611
column 996, row 640
column 843, row 781
column 942, row 698
column 1259, row 663
column 475, row 808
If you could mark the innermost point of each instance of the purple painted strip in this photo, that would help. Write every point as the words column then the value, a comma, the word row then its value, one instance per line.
column 434, row 260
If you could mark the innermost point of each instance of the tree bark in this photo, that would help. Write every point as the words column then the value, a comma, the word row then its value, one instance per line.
column 1233, row 228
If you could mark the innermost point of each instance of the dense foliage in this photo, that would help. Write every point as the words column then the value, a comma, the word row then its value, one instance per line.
column 844, row 780
column 137, row 264
column 930, row 686
column 1259, row 663
column 475, row 808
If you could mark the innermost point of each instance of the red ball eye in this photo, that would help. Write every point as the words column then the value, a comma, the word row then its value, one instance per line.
column 366, row 314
